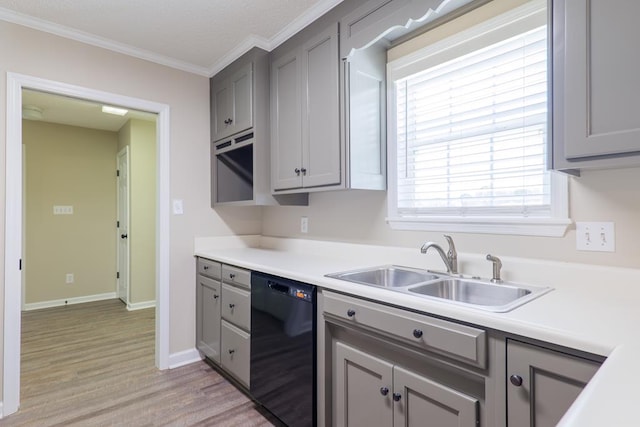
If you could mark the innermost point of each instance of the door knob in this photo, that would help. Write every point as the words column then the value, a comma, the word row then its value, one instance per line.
column 123, row 236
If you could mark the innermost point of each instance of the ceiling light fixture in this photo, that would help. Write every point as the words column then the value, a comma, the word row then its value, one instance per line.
column 31, row 112
column 114, row 110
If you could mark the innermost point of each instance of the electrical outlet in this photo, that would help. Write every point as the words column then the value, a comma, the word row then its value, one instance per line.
column 595, row 236
column 304, row 224
column 69, row 278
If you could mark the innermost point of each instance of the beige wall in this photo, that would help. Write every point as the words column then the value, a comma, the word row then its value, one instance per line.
column 359, row 216
column 140, row 136
column 68, row 165
column 39, row 54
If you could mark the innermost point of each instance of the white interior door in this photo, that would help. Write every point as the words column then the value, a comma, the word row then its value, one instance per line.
column 123, row 225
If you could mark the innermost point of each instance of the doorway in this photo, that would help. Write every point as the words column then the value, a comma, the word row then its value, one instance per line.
column 122, row 235
column 13, row 220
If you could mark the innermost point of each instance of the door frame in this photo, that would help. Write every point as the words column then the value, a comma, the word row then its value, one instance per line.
column 124, row 152
column 13, row 221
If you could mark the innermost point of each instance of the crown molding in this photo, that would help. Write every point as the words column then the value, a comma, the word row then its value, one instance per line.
column 83, row 37
column 316, row 11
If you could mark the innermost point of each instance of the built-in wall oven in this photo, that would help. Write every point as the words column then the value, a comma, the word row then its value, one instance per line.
column 283, row 348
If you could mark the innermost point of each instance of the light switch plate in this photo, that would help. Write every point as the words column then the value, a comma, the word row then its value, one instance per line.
column 304, row 224
column 62, row 210
column 595, row 236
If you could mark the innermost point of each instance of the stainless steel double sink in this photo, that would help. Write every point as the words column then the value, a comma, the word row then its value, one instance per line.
column 470, row 292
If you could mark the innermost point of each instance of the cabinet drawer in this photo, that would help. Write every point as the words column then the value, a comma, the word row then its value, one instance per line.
column 236, row 276
column 236, row 306
column 457, row 341
column 236, row 345
column 209, row 268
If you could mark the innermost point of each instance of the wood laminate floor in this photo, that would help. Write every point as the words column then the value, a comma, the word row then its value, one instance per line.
column 93, row 365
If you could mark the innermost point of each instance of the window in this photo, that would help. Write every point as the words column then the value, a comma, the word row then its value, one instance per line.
column 468, row 132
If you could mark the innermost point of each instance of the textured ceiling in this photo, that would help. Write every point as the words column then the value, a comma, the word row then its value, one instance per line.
column 198, row 33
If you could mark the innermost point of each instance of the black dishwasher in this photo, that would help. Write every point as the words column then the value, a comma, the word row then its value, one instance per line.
column 283, row 348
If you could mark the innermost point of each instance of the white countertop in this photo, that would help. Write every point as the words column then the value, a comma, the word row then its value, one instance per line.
column 592, row 308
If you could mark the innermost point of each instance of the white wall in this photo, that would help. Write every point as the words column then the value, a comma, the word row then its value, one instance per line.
column 39, row 54
column 359, row 216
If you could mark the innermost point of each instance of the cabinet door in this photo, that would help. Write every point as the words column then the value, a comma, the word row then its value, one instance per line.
column 242, row 100
column 362, row 389
column 286, row 133
column 601, row 91
column 221, row 104
column 542, row 384
column 419, row 401
column 232, row 103
column 208, row 317
column 320, row 110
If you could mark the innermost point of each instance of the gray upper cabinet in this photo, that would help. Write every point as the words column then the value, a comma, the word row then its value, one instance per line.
column 596, row 95
column 305, row 130
column 232, row 103
column 542, row 384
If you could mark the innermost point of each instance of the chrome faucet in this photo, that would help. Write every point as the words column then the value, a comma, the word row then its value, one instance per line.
column 450, row 258
column 497, row 265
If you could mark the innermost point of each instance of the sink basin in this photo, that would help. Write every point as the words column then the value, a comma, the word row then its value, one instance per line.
column 471, row 292
column 475, row 293
column 386, row 276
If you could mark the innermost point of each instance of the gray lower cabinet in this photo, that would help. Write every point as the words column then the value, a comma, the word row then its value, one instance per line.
column 208, row 318
column 542, row 384
column 370, row 391
column 223, row 316
column 208, row 292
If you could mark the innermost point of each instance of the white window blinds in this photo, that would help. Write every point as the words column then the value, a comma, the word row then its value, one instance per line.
column 471, row 133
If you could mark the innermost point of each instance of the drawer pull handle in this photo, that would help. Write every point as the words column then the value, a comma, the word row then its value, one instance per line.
column 232, row 276
column 215, row 296
column 417, row 333
column 231, row 351
column 351, row 312
column 384, row 391
column 516, row 380
column 206, row 267
column 232, row 306
column 397, row 397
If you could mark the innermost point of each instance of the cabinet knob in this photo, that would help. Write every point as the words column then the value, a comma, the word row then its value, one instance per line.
column 351, row 312
column 232, row 276
column 231, row 306
column 384, row 391
column 304, row 171
column 397, row 397
column 215, row 296
column 516, row 380
column 206, row 267
column 297, row 171
column 417, row 333
column 231, row 351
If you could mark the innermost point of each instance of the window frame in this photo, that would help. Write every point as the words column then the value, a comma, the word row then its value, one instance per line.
column 450, row 47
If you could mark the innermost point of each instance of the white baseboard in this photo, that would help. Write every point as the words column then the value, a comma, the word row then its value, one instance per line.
column 69, row 301
column 183, row 358
column 141, row 305
column 1, row 411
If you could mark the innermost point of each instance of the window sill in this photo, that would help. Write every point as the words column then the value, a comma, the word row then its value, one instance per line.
column 482, row 225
